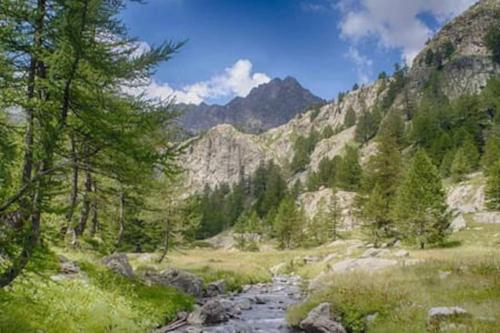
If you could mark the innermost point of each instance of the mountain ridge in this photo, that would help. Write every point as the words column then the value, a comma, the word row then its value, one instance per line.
column 266, row 106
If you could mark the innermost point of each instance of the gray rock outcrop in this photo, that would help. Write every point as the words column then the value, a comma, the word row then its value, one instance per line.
column 118, row 263
column 173, row 277
column 319, row 320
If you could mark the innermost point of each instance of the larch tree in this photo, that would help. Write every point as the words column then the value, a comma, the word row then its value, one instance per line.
column 420, row 208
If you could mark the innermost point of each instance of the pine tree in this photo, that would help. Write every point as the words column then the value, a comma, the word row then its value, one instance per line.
column 461, row 165
column 288, row 224
column 420, row 208
column 349, row 171
column 493, row 187
column 374, row 216
column 318, row 227
column 393, row 126
column 491, row 148
column 379, row 187
column 350, row 118
column 334, row 216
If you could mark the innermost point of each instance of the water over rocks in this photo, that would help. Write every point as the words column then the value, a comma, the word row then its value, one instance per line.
column 259, row 308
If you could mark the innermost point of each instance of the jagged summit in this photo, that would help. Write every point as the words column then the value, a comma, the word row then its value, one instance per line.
column 266, row 106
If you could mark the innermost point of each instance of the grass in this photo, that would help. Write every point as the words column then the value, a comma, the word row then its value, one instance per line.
column 401, row 296
column 100, row 302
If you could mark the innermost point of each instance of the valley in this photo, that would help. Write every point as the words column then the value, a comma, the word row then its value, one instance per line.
column 244, row 203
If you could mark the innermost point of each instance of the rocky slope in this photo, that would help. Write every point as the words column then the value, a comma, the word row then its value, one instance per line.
column 224, row 153
column 266, row 106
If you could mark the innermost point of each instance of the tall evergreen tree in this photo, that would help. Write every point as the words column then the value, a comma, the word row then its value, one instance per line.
column 420, row 208
column 289, row 224
column 350, row 118
column 349, row 171
column 493, row 187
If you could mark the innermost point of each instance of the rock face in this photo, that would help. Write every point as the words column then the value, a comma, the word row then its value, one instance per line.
column 119, row 263
column 470, row 65
column 182, row 280
column 223, row 155
column 266, row 106
column 319, row 320
column 311, row 201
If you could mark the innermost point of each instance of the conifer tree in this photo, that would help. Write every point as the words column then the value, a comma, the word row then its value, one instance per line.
column 460, row 165
column 288, row 224
column 349, row 171
column 493, row 187
column 334, row 219
column 350, row 118
column 318, row 227
column 374, row 216
column 378, row 189
column 420, row 207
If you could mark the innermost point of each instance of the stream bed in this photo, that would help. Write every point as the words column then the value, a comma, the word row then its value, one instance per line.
column 259, row 308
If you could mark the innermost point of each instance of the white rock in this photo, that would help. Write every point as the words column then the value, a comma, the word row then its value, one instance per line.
column 402, row 253
column 458, row 223
column 487, row 217
column 362, row 264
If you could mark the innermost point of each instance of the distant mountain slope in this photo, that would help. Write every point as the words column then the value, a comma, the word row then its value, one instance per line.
column 266, row 106
column 456, row 61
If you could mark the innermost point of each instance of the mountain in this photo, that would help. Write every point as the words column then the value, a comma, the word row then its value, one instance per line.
column 266, row 106
column 457, row 58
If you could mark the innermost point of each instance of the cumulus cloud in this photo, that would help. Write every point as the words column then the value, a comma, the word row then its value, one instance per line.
column 236, row 80
column 363, row 64
column 394, row 23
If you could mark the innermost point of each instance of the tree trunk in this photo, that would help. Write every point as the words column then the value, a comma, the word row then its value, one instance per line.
column 85, row 211
column 121, row 219
column 30, row 241
column 74, row 188
column 166, row 240
column 95, row 216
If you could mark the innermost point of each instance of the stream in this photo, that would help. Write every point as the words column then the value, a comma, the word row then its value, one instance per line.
column 259, row 308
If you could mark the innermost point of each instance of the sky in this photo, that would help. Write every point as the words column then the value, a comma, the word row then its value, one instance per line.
column 327, row 45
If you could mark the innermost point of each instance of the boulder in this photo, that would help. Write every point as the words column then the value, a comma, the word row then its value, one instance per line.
column 402, row 253
column 245, row 303
column 215, row 288
column 458, row 223
column 118, row 263
column 67, row 266
column 182, row 280
column 440, row 317
column 487, row 217
column 362, row 264
column 212, row 312
column 319, row 320
column 374, row 252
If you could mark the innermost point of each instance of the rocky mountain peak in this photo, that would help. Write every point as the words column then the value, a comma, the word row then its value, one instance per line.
column 266, row 106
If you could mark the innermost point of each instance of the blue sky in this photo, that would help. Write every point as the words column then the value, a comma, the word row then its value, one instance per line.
column 328, row 45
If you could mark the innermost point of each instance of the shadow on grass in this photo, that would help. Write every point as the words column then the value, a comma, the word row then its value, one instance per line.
column 449, row 244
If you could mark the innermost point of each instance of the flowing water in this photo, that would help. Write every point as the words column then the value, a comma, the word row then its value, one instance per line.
column 262, row 308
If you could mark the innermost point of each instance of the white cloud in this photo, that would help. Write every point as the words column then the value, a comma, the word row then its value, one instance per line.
column 236, row 80
column 395, row 23
column 363, row 64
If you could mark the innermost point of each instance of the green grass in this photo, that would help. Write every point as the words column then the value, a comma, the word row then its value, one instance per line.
column 101, row 302
column 401, row 296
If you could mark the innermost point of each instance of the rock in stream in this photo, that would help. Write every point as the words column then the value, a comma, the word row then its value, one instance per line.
column 259, row 308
